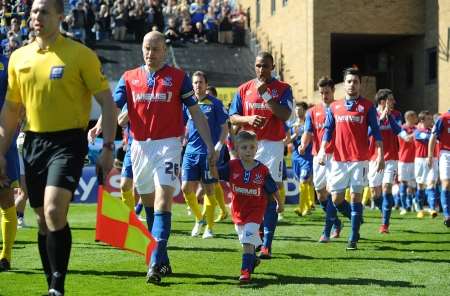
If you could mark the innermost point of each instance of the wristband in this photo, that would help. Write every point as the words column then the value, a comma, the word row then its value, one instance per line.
column 109, row 145
column 266, row 96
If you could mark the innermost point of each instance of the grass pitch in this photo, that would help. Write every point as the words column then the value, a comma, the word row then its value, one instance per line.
column 414, row 259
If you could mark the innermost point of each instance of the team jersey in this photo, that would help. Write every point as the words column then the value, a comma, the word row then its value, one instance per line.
column 350, row 119
column 215, row 114
column 154, row 101
column 249, row 190
column 421, row 139
column 442, row 131
column 314, row 124
column 406, row 152
column 55, row 84
column 301, row 128
column 3, row 79
column 389, row 128
column 248, row 102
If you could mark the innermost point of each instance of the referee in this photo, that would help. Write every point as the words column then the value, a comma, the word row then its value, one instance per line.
column 53, row 78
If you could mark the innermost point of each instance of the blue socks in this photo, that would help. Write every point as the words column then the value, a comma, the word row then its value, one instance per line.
column 138, row 208
column 248, row 261
column 445, row 201
column 388, row 203
column 420, row 198
column 330, row 217
column 161, row 232
column 431, row 198
column 357, row 212
column 270, row 223
column 149, row 216
column 344, row 209
column 403, row 195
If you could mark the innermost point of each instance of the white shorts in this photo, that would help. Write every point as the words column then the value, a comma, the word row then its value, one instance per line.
column 406, row 172
column 248, row 234
column 155, row 162
column 270, row 153
column 351, row 175
column 320, row 172
column 444, row 165
column 387, row 176
column 423, row 174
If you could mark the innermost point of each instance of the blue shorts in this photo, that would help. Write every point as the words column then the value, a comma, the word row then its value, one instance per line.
column 302, row 168
column 195, row 168
column 12, row 165
column 127, row 171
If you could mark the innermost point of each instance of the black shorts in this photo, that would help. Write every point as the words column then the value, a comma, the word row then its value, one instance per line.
column 54, row 159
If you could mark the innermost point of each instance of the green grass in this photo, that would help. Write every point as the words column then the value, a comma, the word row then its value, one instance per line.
column 414, row 259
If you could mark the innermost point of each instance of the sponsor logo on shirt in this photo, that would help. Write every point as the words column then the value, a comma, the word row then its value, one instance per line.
column 350, row 118
column 247, row 191
column 167, row 81
column 135, row 81
column 56, row 72
column 257, row 106
column 152, row 97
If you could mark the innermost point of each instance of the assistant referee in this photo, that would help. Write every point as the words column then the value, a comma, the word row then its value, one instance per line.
column 54, row 78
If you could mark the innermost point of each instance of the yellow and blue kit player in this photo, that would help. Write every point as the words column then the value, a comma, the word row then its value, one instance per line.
column 7, row 207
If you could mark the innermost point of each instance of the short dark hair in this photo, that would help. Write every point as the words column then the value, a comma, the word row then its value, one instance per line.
column 383, row 94
column 245, row 136
column 302, row 104
column 325, row 81
column 424, row 114
column 212, row 89
column 351, row 71
column 410, row 113
column 201, row 74
column 265, row 55
column 59, row 6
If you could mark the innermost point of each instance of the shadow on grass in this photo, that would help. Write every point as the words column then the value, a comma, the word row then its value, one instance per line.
column 281, row 279
column 425, row 232
column 407, row 242
column 389, row 248
column 202, row 249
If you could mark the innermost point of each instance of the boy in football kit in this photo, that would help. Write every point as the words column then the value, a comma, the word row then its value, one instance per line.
column 441, row 132
column 406, row 163
column 351, row 118
column 251, row 186
column 426, row 176
column 314, row 130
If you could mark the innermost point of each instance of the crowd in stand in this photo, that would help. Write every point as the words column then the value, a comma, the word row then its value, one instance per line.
column 180, row 20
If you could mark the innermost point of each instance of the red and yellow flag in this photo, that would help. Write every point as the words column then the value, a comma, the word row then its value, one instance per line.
column 119, row 227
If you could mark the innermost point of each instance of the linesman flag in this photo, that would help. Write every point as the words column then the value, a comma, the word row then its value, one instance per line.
column 119, row 227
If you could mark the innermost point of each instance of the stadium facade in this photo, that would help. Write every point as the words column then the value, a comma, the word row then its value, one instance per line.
column 397, row 44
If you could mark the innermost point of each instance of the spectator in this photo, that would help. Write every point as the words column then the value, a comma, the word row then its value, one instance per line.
column 199, row 33
column 170, row 11
column 102, row 23
column 211, row 25
column 119, row 16
column 186, row 30
column 183, row 10
column 137, row 20
column 31, row 38
column 90, row 23
column 238, row 21
column 197, row 12
column 158, row 16
column 225, row 26
column 79, row 22
column 171, row 33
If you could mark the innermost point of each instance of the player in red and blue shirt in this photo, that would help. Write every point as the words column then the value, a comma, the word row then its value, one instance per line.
column 195, row 168
column 350, row 119
column 8, row 209
column 262, row 105
column 426, row 176
column 381, row 183
column 406, row 155
column 155, row 94
column 441, row 132
column 314, row 131
column 251, row 186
